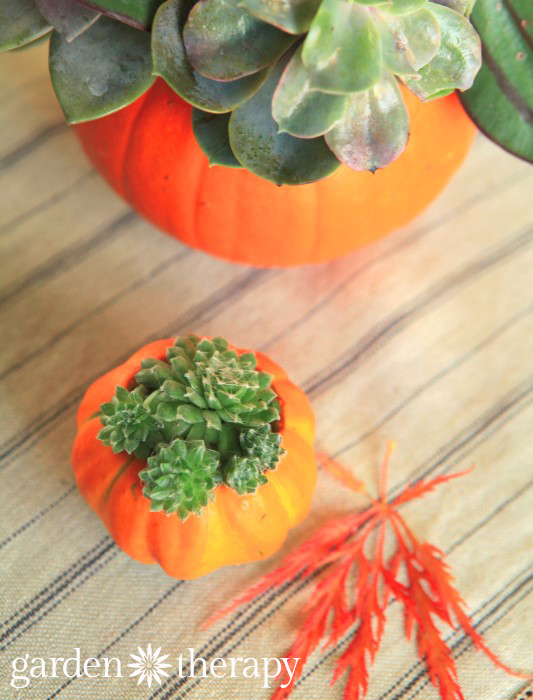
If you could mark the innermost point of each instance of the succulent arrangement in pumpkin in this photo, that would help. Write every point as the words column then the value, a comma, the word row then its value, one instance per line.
column 196, row 455
column 319, row 93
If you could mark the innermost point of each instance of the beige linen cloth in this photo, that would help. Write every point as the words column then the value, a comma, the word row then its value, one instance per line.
column 424, row 338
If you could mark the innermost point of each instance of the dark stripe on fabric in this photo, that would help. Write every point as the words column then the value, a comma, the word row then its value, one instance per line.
column 46, row 204
column 436, row 378
column 52, row 594
column 26, row 148
column 410, row 311
column 68, row 258
column 153, row 274
column 199, row 313
column 124, row 632
column 20, row 530
column 464, row 643
column 209, row 651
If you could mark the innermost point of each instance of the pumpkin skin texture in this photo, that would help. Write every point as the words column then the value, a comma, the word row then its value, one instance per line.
column 231, row 529
column 148, row 153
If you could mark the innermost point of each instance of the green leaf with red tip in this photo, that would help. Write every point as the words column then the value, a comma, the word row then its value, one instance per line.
column 342, row 50
column 501, row 100
column 171, row 63
column 408, row 41
column 211, row 132
column 224, row 42
column 20, row 23
column 293, row 16
column 298, row 109
column 138, row 13
column 374, row 129
column 69, row 18
column 106, row 68
column 282, row 158
column 457, row 61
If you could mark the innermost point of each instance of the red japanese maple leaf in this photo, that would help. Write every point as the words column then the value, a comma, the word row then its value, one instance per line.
column 356, row 581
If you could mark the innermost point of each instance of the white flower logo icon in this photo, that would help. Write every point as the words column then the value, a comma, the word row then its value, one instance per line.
column 149, row 665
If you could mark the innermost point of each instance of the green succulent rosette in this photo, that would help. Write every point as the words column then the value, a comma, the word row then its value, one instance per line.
column 288, row 90
column 203, row 416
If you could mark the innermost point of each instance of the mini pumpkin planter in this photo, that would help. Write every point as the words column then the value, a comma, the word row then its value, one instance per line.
column 329, row 123
column 196, row 455
column 149, row 154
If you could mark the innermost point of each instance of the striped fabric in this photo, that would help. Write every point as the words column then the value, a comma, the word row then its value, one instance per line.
column 422, row 338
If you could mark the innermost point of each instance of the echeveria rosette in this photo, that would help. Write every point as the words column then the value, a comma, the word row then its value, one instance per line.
column 288, row 90
column 203, row 416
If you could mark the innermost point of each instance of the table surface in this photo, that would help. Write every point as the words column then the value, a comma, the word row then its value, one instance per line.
column 422, row 338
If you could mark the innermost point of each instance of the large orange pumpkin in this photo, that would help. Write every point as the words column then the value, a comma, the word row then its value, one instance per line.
column 149, row 155
column 231, row 529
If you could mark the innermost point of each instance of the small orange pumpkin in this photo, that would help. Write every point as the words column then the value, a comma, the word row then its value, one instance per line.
column 148, row 153
column 232, row 528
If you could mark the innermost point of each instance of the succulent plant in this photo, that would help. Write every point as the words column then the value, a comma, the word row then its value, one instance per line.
column 287, row 89
column 181, row 477
column 203, row 416
column 128, row 424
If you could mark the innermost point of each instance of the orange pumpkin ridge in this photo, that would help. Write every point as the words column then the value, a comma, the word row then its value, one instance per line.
column 231, row 529
column 148, row 153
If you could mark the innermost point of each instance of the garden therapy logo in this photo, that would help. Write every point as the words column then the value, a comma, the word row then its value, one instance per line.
column 149, row 665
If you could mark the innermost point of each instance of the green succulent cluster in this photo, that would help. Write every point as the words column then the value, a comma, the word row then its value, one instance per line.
column 287, row 89
column 203, row 416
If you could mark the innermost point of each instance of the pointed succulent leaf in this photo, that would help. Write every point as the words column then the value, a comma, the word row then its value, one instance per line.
column 20, row 23
column 408, row 41
column 298, row 109
column 211, row 132
column 105, row 69
column 153, row 376
column 501, row 100
column 224, row 41
column 137, row 13
column 173, row 389
column 69, row 18
column 293, row 16
column 342, row 50
column 375, row 128
column 167, row 411
column 464, row 7
column 282, row 158
column 190, row 414
column 457, row 61
column 171, row 63
column 403, row 7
